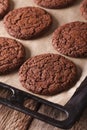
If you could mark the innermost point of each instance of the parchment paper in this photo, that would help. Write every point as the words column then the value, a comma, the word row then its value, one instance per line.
column 43, row 45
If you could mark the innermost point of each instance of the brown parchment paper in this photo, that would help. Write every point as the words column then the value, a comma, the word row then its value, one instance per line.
column 43, row 45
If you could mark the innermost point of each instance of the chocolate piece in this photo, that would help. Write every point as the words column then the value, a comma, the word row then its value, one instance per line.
column 12, row 55
column 54, row 3
column 48, row 74
column 4, row 7
column 71, row 39
column 84, row 9
column 27, row 22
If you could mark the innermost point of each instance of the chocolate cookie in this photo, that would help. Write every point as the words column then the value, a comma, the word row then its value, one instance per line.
column 54, row 3
column 48, row 74
column 12, row 55
column 27, row 22
column 71, row 39
column 4, row 7
column 84, row 8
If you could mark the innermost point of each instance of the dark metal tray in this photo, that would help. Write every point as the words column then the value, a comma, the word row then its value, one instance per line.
column 73, row 108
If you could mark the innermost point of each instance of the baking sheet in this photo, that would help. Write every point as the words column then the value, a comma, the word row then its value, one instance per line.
column 43, row 45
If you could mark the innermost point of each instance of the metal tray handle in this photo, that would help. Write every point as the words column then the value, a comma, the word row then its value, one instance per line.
column 73, row 108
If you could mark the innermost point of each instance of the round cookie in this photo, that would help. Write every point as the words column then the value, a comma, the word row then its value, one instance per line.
column 54, row 3
column 71, row 39
column 47, row 74
column 12, row 54
column 4, row 7
column 27, row 22
column 84, row 9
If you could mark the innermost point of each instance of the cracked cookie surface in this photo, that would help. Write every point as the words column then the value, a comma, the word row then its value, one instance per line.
column 71, row 39
column 84, row 9
column 12, row 54
column 54, row 3
column 27, row 22
column 4, row 7
column 47, row 74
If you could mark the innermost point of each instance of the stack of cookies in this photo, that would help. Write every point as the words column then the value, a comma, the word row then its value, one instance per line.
column 45, row 74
